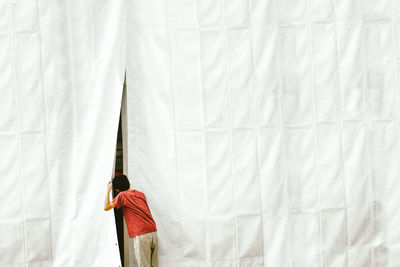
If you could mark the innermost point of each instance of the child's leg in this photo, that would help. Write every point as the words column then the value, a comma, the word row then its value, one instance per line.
column 154, row 250
column 143, row 249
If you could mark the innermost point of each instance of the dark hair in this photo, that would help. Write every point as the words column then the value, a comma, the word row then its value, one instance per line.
column 121, row 182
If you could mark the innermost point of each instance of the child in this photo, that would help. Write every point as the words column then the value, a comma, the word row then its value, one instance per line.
column 142, row 229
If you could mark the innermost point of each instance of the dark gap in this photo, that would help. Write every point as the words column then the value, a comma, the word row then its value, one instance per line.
column 119, row 218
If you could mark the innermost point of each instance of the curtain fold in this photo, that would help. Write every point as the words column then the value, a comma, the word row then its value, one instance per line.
column 263, row 132
column 266, row 133
column 61, row 82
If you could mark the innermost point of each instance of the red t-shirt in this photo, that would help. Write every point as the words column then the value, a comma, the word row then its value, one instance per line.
column 136, row 212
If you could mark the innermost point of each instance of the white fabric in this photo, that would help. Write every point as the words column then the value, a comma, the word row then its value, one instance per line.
column 62, row 71
column 266, row 132
column 263, row 132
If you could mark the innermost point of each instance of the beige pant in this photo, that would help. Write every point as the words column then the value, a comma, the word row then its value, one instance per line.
column 146, row 250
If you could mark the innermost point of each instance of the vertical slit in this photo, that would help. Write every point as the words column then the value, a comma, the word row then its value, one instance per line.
column 125, row 166
column 119, row 169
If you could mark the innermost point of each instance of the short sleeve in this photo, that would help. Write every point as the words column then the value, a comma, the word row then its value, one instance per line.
column 118, row 201
column 143, row 195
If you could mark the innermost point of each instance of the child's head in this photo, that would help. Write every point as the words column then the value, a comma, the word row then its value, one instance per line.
column 121, row 183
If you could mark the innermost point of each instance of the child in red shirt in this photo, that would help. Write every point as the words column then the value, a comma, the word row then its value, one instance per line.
column 142, row 229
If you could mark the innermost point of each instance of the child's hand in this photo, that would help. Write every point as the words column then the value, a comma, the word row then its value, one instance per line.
column 109, row 186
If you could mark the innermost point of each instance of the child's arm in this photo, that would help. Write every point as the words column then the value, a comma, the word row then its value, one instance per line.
column 107, row 204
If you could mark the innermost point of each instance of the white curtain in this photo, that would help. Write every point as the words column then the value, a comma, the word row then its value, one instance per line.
column 266, row 132
column 61, row 79
column 263, row 132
